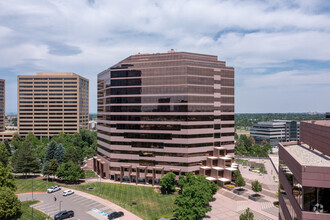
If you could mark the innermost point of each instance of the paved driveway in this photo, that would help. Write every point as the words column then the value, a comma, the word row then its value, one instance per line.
column 84, row 208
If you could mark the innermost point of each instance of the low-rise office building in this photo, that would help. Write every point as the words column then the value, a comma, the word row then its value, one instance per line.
column 165, row 112
column 51, row 103
column 275, row 131
column 304, row 174
column 327, row 116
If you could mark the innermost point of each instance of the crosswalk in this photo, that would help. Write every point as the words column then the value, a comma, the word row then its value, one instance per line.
column 269, row 208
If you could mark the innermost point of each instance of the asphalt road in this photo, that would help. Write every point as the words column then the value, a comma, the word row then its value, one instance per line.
column 84, row 208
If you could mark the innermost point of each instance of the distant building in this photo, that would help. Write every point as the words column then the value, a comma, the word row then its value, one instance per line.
column 166, row 112
column 304, row 174
column 327, row 115
column 7, row 135
column 276, row 131
column 50, row 103
column 2, row 105
column 92, row 125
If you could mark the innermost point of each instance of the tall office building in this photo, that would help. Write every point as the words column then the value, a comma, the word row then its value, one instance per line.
column 50, row 103
column 276, row 131
column 327, row 116
column 2, row 105
column 163, row 112
column 304, row 174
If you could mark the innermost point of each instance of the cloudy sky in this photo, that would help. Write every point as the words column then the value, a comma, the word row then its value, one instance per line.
column 280, row 48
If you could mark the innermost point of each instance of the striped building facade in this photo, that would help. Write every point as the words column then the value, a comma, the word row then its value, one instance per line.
column 164, row 112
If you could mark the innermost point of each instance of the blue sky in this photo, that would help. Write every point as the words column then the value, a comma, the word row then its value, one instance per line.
column 280, row 49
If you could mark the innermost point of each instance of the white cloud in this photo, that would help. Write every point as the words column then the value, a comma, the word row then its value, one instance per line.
column 88, row 36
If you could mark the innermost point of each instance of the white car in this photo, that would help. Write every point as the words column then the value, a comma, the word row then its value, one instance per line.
column 53, row 189
column 68, row 192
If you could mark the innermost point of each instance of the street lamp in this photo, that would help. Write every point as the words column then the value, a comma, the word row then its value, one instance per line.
column 60, row 202
column 47, row 198
column 32, row 198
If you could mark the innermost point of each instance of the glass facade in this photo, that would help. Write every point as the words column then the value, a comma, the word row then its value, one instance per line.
column 161, row 105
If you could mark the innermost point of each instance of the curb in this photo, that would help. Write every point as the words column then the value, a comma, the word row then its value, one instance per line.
column 27, row 193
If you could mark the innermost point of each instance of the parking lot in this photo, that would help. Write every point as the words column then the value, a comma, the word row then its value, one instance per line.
column 84, row 208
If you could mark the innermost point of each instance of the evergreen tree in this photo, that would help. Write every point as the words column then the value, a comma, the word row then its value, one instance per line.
column 10, row 205
column 45, row 168
column 247, row 215
column 7, row 178
column 52, row 167
column 7, row 146
column 59, row 154
column 4, row 155
column 24, row 161
column 50, row 152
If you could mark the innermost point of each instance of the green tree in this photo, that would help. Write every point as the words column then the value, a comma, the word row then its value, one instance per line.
column 10, row 205
column 4, row 155
column 240, row 181
column 24, row 161
column 197, row 192
column 32, row 139
column 247, row 215
column 256, row 186
column 167, row 183
column 7, row 146
column 52, row 167
column 50, row 152
column 59, row 153
column 73, row 154
column 7, row 178
column 45, row 168
column 70, row 172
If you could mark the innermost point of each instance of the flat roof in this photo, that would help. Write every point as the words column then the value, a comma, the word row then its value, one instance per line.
column 319, row 122
column 308, row 157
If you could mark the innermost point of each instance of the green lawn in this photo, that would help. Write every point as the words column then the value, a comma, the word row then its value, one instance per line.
column 25, row 185
column 26, row 212
column 150, row 205
column 90, row 174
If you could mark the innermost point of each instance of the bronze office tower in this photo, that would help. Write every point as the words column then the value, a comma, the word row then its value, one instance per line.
column 50, row 103
column 163, row 112
column 2, row 105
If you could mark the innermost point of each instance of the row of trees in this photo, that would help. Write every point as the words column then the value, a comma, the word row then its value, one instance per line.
column 195, row 194
column 61, row 156
column 247, row 120
column 246, row 146
column 10, row 205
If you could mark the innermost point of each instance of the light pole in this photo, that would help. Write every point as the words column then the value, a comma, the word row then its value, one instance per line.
column 47, row 198
column 32, row 198
column 60, row 202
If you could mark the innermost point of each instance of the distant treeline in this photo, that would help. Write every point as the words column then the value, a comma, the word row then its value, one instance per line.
column 245, row 121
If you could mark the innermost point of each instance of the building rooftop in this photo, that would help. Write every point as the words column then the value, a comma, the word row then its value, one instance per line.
column 319, row 122
column 308, row 157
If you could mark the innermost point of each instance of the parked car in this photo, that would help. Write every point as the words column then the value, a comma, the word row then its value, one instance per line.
column 115, row 215
column 64, row 215
column 54, row 189
column 68, row 192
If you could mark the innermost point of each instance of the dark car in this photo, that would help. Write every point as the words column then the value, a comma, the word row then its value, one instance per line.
column 115, row 215
column 64, row 215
